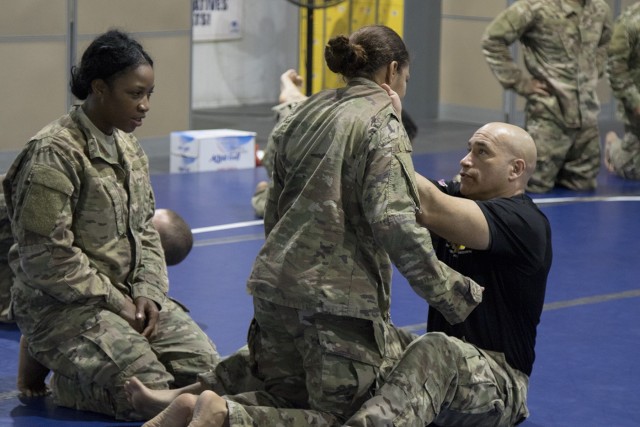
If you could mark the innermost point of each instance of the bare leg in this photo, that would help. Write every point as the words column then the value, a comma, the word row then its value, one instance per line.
column 177, row 414
column 608, row 141
column 290, row 87
column 210, row 411
column 31, row 374
column 149, row 403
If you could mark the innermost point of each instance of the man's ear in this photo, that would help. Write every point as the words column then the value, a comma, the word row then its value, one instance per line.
column 518, row 167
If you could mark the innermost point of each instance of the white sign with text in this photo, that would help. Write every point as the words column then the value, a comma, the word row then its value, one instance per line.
column 216, row 19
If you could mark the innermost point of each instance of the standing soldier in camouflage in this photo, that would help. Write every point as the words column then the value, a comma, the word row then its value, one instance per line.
column 341, row 209
column 622, row 157
column 90, row 292
column 564, row 46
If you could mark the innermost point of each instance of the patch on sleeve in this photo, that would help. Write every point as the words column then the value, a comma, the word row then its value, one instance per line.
column 406, row 164
column 47, row 195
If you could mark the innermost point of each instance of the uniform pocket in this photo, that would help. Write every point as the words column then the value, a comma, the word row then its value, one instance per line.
column 94, row 353
column 478, row 401
column 350, row 360
column 101, row 212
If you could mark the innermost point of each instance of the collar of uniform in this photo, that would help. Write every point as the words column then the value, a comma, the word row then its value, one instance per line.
column 99, row 144
column 363, row 81
column 569, row 8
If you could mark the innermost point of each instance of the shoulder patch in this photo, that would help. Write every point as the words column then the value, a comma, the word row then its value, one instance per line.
column 47, row 194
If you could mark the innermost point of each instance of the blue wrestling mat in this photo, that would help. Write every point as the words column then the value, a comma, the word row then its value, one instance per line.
column 586, row 370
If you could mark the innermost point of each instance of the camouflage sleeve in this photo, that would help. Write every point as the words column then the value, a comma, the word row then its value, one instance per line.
column 267, row 159
column 41, row 222
column 603, row 44
column 503, row 31
column 6, row 275
column 275, row 184
column 282, row 112
column 271, row 216
column 623, row 43
column 150, row 278
column 390, row 201
column 6, row 238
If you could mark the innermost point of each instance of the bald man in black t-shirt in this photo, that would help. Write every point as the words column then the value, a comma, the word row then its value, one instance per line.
column 486, row 227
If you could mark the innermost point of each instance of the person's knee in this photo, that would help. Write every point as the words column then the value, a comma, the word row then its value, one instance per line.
column 188, row 401
column 432, row 342
column 429, row 352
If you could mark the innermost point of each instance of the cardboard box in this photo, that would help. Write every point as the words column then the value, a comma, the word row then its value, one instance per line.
column 212, row 149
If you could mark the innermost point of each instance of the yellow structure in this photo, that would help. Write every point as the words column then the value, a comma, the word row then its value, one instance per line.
column 342, row 18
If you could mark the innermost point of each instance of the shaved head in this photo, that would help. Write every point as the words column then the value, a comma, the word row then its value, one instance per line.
column 175, row 235
column 515, row 141
column 501, row 159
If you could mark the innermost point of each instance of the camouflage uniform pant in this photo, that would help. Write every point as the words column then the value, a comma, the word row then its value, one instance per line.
column 91, row 368
column 567, row 157
column 447, row 382
column 317, row 368
column 234, row 374
column 624, row 154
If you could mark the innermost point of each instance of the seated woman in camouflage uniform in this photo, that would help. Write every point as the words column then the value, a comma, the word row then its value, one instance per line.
column 90, row 292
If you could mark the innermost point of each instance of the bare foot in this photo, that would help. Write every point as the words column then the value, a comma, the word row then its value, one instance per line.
column 149, row 403
column 262, row 185
column 177, row 414
column 608, row 141
column 290, row 87
column 31, row 374
column 210, row 411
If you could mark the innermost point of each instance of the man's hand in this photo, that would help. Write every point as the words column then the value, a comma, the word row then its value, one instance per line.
column 534, row 86
column 395, row 99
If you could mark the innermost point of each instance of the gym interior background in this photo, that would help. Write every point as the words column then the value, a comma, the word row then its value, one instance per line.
column 588, row 339
column 41, row 39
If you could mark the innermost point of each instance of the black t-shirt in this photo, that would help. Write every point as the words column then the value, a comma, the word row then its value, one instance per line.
column 513, row 272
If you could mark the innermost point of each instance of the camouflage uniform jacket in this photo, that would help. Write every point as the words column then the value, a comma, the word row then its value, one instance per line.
column 562, row 47
column 282, row 111
column 82, row 224
column 6, row 275
column 623, row 66
column 342, row 207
